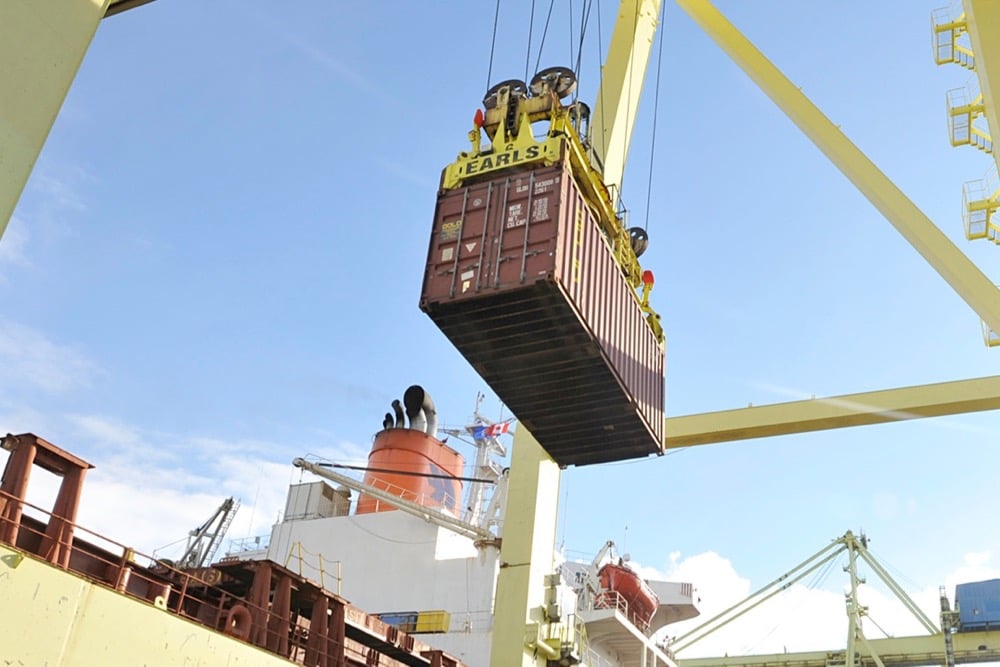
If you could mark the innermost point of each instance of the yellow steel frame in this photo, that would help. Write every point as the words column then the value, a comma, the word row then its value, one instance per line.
column 521, row 632
column 621, row 83
column 964, row 277
column 41, row 47
column 969, row 647
column 817, row 414
column 982, row 19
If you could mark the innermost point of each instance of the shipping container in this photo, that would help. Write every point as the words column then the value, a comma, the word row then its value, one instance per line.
column 978, row 605
column 523, row 282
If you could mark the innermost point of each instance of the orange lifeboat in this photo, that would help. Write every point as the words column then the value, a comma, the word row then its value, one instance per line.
column 415, row 466
column 626, row 591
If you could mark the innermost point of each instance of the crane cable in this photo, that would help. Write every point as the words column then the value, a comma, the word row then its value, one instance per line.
column 545, row 32
column 656, row 107
column 527, row 51
column 493, row 46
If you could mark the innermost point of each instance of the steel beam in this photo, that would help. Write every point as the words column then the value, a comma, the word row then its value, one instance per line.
column 526, row 556
column 817, row 414
column 970, row 647
column 964, row 277
column 983, row 25
column 622, row 77
column 41, row 47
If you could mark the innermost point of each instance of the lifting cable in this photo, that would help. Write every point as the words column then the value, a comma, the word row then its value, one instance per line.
column 584, row 20
column 545, row 32
column 527, row 51
column 600, row 80
column 493, row 46
column 656, row 107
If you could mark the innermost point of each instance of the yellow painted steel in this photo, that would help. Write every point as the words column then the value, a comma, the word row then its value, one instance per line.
column 621, row 84
column 72, row 622
column 982, row 19
column 970, row 647
column 526, row 557
column 862, row 409
column 41, row 47
column 964, row 277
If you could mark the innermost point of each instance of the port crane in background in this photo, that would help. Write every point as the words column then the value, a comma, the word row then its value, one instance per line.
column 950, row 645
column 50, row 39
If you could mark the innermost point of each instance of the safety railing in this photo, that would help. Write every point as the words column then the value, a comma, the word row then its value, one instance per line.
column 308, row 561
column 615, row 600
column 442, row 503
column 197, row 595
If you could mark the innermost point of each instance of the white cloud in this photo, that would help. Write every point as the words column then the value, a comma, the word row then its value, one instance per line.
column 802, row 617
column 149, row 489
column 28, row 357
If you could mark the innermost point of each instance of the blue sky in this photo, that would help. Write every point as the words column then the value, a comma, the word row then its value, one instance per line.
column 216, row 264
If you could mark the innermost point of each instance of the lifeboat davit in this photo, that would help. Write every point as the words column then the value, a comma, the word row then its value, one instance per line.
column 626, row 591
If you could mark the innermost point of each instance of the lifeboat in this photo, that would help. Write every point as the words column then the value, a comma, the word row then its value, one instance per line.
column 624, row 590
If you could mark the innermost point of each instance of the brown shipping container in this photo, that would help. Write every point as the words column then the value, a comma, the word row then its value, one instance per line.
column 521, row 280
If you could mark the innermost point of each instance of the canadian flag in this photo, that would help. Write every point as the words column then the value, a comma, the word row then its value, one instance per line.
column 497, row 429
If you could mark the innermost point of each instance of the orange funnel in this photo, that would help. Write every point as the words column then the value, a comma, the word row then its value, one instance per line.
column 415, row 466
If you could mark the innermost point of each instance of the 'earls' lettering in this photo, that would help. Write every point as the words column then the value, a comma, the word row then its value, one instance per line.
column 500, row 160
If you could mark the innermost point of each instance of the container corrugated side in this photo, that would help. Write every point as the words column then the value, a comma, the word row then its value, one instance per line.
column 978, row 604
column 521, row 280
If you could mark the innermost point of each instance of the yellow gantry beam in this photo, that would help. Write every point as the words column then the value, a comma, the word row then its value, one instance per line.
column 970, row 647
column 41, row 47
column 526, row 556
column 874, row 407
column 622, row 78
column 964, row 277
column 983, row 25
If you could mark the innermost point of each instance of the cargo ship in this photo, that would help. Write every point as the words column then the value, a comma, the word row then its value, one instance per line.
column 351, row 574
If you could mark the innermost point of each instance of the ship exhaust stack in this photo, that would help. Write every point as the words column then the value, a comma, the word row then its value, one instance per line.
column 420, row 409
column 397, row 407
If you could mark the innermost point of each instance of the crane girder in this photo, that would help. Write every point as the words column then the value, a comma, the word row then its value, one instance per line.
column 817, row 414
column 970, row 647
column 622, row 78
column 971, row 284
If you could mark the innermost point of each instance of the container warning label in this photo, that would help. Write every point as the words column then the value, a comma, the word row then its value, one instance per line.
column 447, row 253
column 451, row 230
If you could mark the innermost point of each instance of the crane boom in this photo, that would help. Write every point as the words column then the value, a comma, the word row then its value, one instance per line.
column 622, row 78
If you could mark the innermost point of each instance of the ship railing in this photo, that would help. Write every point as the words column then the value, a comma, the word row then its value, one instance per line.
column 615, row 600
column 197, row 595
column 309, row 562
column 440, row 499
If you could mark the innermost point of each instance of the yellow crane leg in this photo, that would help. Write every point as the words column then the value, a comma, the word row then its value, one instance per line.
column 817, row 414
column 526, row 556
column 983, row 24
column 959, row 272
column 41, row 47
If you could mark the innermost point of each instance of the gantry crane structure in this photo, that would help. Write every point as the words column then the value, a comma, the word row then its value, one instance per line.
column 48, row 40
column 946, row 645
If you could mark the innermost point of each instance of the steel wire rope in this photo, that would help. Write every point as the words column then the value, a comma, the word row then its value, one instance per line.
column 818, row 578
column 631, row 124
column 895, row 571
column 584, row 22
column 493, row 45
column 545, row 32
column 527, row 51
column 600, row 82
column 656, row 114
